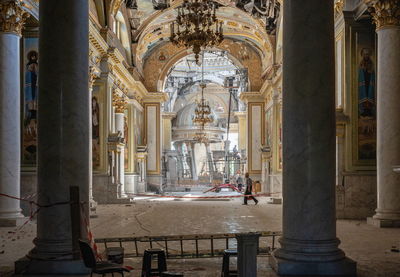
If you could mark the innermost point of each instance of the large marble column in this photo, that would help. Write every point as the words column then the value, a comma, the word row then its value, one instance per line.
column 193, row 166
column 178, row 147
column 119, row 102
column 63, row 136
column 210, row 161
column 10, row 132
column 309, row 245
column 387, row 19
column 167, row 129
column 241, row 116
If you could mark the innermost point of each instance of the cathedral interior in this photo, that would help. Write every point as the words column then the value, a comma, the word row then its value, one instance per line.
column 111, row 105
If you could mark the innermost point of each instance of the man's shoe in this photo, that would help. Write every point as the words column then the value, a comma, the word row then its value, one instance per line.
column 256, row 202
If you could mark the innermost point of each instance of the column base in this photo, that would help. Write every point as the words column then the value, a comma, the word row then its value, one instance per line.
column 92, row 208
column 274, row 200
column 12, row 222
column 27, row 266
column 342, row 267
column 384, row 223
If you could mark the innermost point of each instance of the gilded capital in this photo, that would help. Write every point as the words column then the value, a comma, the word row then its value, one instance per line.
column 93, row 75
column 386, row 13
column 12, row 17
column 119, row 102
column 339, row 5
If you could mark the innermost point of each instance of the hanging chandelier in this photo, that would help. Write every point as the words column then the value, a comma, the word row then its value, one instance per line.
column 197, row 26
column 202, row 113
column 201, row 136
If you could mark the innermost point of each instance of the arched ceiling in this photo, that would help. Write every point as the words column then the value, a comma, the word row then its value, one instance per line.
column 154, row 29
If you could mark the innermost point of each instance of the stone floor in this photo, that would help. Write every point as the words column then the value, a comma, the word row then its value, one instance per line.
column 368, row 245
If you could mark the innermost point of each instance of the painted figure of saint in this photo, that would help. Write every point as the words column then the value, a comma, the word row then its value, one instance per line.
column 95, row 132
column 30, row 118
column 126, row 139
column 366, row 106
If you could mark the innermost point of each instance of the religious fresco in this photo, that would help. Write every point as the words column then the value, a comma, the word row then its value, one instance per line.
column 126, row 138
column 95, row 133
column 366, row 100
column 30, row 95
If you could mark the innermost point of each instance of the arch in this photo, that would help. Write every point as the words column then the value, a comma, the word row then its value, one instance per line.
column 182, row 54
column 237, row 24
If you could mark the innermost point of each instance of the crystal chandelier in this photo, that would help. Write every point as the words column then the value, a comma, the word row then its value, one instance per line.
column 197, row 26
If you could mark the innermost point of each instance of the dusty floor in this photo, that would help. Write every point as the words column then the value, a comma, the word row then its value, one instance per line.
column 368, row 245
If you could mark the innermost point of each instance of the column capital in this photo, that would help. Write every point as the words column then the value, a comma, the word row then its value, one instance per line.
column 119, row 102
column 93, row 75
column 385, row 13
column 12, row 16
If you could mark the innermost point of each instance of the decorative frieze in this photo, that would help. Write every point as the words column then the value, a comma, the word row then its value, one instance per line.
column 386, row 13
column 119, row 102
column 12, row 17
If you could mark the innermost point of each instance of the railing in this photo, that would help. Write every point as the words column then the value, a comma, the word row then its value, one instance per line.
column 186, row 246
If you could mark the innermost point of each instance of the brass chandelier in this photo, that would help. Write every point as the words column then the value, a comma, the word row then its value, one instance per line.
column 201, row 136
column 197, row 26
column 202, row 113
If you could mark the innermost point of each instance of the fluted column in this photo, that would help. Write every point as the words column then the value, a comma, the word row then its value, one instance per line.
column 386, row 15
column 309, row 245
column 12, row 18
column 63, row 135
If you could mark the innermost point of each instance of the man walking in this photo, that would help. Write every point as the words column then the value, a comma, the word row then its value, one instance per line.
column 249, row 189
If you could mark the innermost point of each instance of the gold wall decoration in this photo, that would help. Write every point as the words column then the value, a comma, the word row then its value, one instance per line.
column 115, row 5
column 386, row 13
column 12, row 17
column 119, row 102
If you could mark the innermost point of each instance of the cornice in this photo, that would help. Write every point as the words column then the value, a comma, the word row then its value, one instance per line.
column 155, row 97
column 251, row 96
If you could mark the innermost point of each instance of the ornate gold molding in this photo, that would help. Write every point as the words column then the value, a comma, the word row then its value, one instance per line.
column 386, row 13
column 115, row 5
column 12, row 17
column 93, row 75
column 119, row 102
